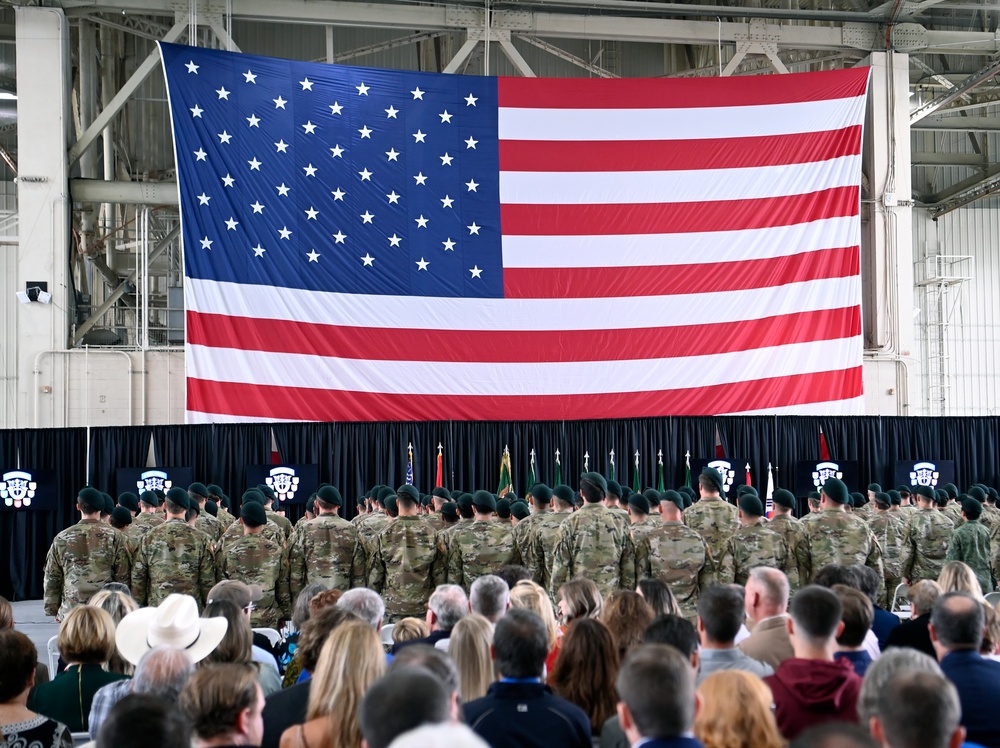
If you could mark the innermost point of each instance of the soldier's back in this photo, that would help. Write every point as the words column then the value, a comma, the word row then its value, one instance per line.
column 888, row 529
column 970, row 544
column 929, row 531
column 715, row 520
column 406, row 550
column 82, row 559
column 544, row 538
column 645, row 526
column 284, row 524
column 678, row 555
column 174, row 557
column 210, row 525
column 593, row 543
column 256, row 559
column 836, row 537
column 326, row 550
column 480, row 548
column 752, row 546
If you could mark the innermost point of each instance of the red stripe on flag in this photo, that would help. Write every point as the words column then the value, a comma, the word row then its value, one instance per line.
column 678, row 93
column 678, row 155
column 529, row 346
column 669, row 280
column 306, row 404
column 678, row 218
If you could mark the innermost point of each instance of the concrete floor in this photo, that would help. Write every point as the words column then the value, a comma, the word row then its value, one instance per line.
column 31, row 621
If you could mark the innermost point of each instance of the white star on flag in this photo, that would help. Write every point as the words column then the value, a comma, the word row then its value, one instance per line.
column 309, row 127
column 306, row 84
column 391, row 112
column 223, row 93
column 279, row 103
column 362, row 89
column 470, row 100
column 257, row 207
column 449, row 245
column 285, row 233
column 472, row 184
column 392, row 154
column 446, row 201
column 393, row 198
column 446, row 159
column 366, row 176
column 421, row 222
column 228, row 181
column 192, row 68
column 254, row 120
column 421, row 179
column 476, row 272
column 282, row 146
column 311, row 213
column 232, row 223
column 203, row 199
column 259, row 250
column 367, row 217
column 368, row 260
column 365, row 132
column 337, row 151
column 445, row 117
column 206, row 243
column 282, row 190
column 395, row 240
column 200, row 153
column 196, row 111
column 339, row 237
column 420, row 137
column 224, row 138
column 471, row 143
column 309, row 170
column 422, row 264
column 336, row 107
column 474, row 229
column 255, row 164
column 313, row 256
column 338, row 194
column 417, row 94
column 250, row 77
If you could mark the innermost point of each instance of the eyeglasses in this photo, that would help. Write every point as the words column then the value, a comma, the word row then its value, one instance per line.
column 250, row 608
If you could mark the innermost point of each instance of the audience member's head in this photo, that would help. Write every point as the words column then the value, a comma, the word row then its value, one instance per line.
column 834, row 735
column 237, row 645
column 163, row 672
column 489, row 596
column 585, row 670
column 512, row 574
column 766, row 593
column 300, row 610
column 404, row 699
column 224, row 703
column 324, row 599
column 627, row 616
column 677, row 632
column 140, row 720
column 991, row 633
column 17, row 665
column 892, row 662
column 531, row 596
column 446, row 607
column 449, row 734
column 469, row 646
column 435, row 660
column 580, row 598
column 366, row 604
column 869, row 580
column 315, row 632
column 87, row 636
column 719, row 723
column 922, row 596
column 815, row 621
column 956, row 576
column 520, row 645
column 720, row 614
column 6, row 614
column 832, row 574
column 918, row 710
column 858, row 616
column 409, row 629
column 174, row 622
column 645, row 708
column 957, row 622
column 118, row 605
column 659, row 597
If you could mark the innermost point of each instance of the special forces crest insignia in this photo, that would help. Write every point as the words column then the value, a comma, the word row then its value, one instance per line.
column 284, row 482
column 17, row 489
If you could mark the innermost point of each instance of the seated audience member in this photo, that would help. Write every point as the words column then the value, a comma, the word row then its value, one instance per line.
column 435, row 736
column 300, row 614
column 245, row 596
column 489, row 596
column 531, row 596
column 991, row 634
column 7, row 624
column 579, row 598
column 858, row 614
column 352, row 659
column 956, row 630
column 884, row 621
column 289, row 706
column 914, row 633
column 627, row 617
column 812, row 687
column 409, row 629
column 519, row 710
column 849, row 576
column 884, row 669
column 142, row 721
column 236, row 646
column 295, row 672
column 174, row 623
column 469, row 646
column 366, row 604
column 224, row 704
column 834, row 735
column 765, row 601
column 439, row 664
column 659, row 597
column 956, row 576
column 118, row 605
column 324, row 599
column 162, row 672
column 19, row 725
column 512, row 574
column 720, row 615
column 918, row 710
column 446, row 607
column 717, row 724
column 86, row 642
column 651, row 715
column 586, row 669
column 403, row 699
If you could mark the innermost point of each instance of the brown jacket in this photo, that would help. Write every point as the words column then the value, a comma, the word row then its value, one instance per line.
column 769, row 642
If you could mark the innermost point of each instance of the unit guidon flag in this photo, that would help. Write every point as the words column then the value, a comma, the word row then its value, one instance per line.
column 365, row 244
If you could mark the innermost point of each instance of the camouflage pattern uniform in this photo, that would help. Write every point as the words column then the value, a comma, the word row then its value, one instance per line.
column 971, row 544
column 715, row 519
column 593, row 543
column 888, row 529
column 953, row 511
column 254, row 559
column 82, row 559
column 368, row 532
column 523, row 532
column 225, row 518
column 544, row 539
column 142, row 524
column 405, row 555
column 794, row 535
column 478, row 549
column 326, row 550
column 989, row 517
column 642, row 528
column 679, row 556
column 173, row 557
column 210, row 525
column 622, row 515
column 925, row 544
column 836, row 537
column 750, row 546
column 235, row 531
column 283, row 523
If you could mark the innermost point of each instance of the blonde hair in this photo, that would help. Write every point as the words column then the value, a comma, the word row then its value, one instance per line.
column 531, row 596
column 717, row 724
column 991, row 636
column 351, row 660
column 409, row 629
column 959, row 577
column 583, row 599
column 118, row 604
column 469, row 647
column 87, row 636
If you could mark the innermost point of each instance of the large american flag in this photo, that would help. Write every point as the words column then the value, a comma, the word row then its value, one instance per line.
column 365, row 244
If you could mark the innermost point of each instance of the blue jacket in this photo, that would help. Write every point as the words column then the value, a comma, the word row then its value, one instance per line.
column 527, row 715
column 978, row 681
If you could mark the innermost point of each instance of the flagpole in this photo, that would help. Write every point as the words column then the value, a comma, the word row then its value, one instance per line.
column 612, row 456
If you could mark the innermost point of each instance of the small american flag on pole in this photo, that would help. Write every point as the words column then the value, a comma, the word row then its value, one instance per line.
column 367, row 244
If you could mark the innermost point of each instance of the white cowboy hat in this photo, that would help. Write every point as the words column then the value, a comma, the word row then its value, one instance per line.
column 174, row 623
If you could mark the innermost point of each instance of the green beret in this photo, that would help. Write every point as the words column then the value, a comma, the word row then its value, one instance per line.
column 673, row 497
column 858, row 499
column 903, row 490
column 894, row 498
column 503, row 508
column 149, row 497
column 745, row 489
column 784, row 497
column 484, row 500
column 977, row 493
column 109, row 503
column 639, row 502
column 925, row 492
column 540, row 493
column 951, row 489
column 267, row 491
column 813, row 495
column 994, row 494
column 194, row 510
column 214, row 490
column 875, row 488
column 253, row 514
column 450, row 511
column 392, row 505
column 129, row 500
column 687, row 491
column 212, row 508
column 714, row 477
column 121, row 517
column 836, row 491
column 226, row 502
column 596, row 479
column 941, row 496
column 311, row 504
column 972, row 508
column 520, row 510
column 199, row 489
column 408, row 492
column 883, row 499
column 652, row 496
column 330, row 495
column 614, row 488
column 254, row 496
column 688, row 501
column 564, row 493
column 384, row 493
column 442, row 493
column 179, row 497
column 626, row 492
column 750, row 504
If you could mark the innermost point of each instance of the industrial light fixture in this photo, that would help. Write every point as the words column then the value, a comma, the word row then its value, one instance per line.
column 35, row 292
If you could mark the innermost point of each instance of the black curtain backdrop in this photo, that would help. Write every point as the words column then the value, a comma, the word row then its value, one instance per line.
column 355, row 456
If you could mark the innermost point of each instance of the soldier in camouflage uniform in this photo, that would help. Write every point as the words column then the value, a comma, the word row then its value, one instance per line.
column 925, row 539
column 545, row 536
column 149, row 517
column 83, row 558
column 794, row 535
column 675, row 554
column 271, row 507
column 594, row 544
column 271, row 530
column 836, row 537
column 173, row 557
column 208, row 524
column 612, row 501
column 540, row 496
column 481, row 547
column 753, row 544
column 327, row 549
column 971, row 545
column 643, row 522
column 714, row 518
column 405, row 559
column 978, row 492
column 216, row 494
column 255, row 560
column 371, row 527
column 887, row 526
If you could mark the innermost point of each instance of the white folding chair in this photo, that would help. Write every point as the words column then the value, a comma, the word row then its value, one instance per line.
column 901, row 601
column 272, row 635
column 993, row 598
column 81, row 738
column 53, row 651
column 386, row 633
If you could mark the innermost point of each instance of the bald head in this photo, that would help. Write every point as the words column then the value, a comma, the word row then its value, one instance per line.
column 957, row 622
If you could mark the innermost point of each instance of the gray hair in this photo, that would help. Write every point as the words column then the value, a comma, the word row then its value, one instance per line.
column 366, row 604
column 880, row 672
column 923, row 595
column 432, row 736
column 301, row 612
column 450, row 604
column 163, row 672
column 773, row 583
column 489, row 596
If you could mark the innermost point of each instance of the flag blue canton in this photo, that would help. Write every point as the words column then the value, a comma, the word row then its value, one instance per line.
column 340, row 179
column 409, row 471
